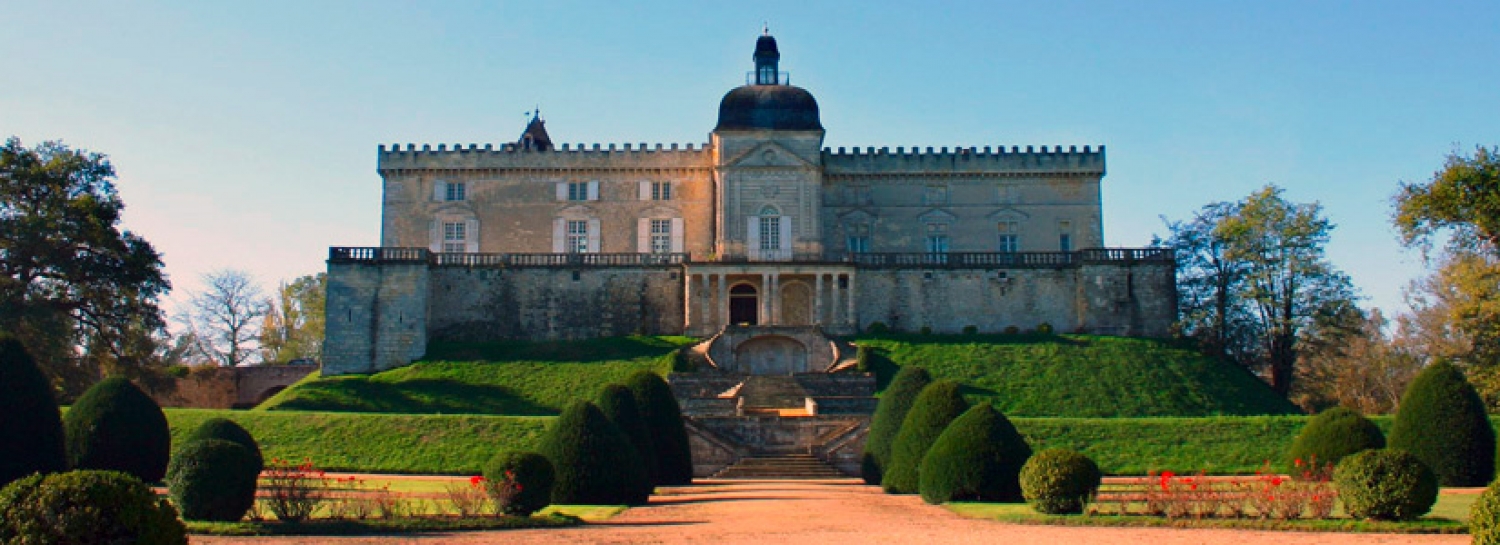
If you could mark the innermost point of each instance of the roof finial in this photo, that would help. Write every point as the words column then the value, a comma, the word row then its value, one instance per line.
column 765, row 28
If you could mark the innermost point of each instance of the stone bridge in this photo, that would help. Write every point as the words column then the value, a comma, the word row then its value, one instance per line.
column 231, row 387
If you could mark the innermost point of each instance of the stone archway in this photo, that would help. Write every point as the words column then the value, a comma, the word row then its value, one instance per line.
column 796, row 304
column 744, row 305
column 771, row 355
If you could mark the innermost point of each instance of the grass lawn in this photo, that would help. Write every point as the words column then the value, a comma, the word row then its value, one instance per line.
column 328, row 527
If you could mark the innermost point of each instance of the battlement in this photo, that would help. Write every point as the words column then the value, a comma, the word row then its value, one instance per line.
column 511, row 147
column 871, row 160
column 513, row 155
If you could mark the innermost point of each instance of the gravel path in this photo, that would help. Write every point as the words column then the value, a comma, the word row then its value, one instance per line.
column 831, row 512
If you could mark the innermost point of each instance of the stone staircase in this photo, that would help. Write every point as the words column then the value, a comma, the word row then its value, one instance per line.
column 784, row 466
column 770, row 392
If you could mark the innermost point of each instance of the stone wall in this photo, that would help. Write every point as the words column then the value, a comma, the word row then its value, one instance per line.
column 551, row 303
column 230, row 387
column 376, row 315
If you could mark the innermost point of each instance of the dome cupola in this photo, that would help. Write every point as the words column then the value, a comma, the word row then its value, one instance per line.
column 768, row 104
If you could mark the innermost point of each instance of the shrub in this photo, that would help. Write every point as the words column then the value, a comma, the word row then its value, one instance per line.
column 1044, row 328
column 86, row 507
column 862, row 359
column 1385, row 484
column 1484, row 517
column 618, row 405
column 877, row 328
column 116, row 426
column 971, row 330
column 225, row 429
column 937, row 405
column 926, row 330
column 681, row 363
column 658, row 407
column 31, row 431
column 213, row 479
column 1442, row 421
column 530, row 479
column 977, row 458
column 1011, row 330
column 594, row 461
column 1059, row 481
column 1333, row 434
column 889, row 413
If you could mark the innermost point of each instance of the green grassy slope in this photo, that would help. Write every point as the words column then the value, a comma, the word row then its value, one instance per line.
column 1081, row 375
column 515, row 378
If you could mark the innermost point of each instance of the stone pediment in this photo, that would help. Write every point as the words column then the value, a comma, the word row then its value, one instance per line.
column 937, row 215
column 856, row 216
column 769, row 154
column 1009, row 213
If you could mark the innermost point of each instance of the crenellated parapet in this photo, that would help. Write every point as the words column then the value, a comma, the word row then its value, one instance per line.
column 971, row 160
column 516, row 156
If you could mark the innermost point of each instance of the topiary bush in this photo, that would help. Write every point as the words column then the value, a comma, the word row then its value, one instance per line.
column 116, row 426
column 213, row 480
column 1333, row 434
column 529, row 474
column 1060, row 481
column 618, row 405
column 593, row 459
column 86, row 507
column 937, row 405
column 1484, row 516
column 31, row 431
column 977, row 458
column 890, row 412
column 658, row 407
column 1385, row 484
column 227, row 430
column 1442, row 421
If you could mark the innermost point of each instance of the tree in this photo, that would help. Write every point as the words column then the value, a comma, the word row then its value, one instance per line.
column 937, row 406
column 293, row 326
column 618, row 405
column 225, row 316
column 69, row 277
column 889, row 414
column 31, row 432
column 1460, row 203
column 1360, row 367
column 116, row 426
column 674, row 456
column 594, row 461
column 1208, row 284
column 977, row 458
column 1442, row 421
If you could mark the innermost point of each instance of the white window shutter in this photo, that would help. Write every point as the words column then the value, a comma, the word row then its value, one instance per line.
column 559, row 235
column 645, row 191
column 594, row 235
column 643, row 235
column 439, row 190
column 676, row 235
column 562, row 191
column 594, row 190
column 435, row 236
column 786, row 235
column 752, row 235
column 471, row 236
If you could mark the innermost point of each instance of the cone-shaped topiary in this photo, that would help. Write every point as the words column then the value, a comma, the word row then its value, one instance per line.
column 520, row 483
column 1059, row 481
column 31, row 431
column 594, row 461
column 674, row 458
column 213, row 480
column 937, row 405
column 1484, row 517
column 1442, row 421
column 977, row 458
column 1332, row 435
column 226, row 429
column 86, row 507
column 1385, row 484
column 618, row 405
column 116, row 426
column 889, row 413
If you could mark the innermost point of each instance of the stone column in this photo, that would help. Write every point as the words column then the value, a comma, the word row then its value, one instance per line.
column 853, row 322
column 765, row 300
column 818, row 298
column 690, row 316
column 703, row 300
column 833, row 309
column 776, row 298
column 723, row 299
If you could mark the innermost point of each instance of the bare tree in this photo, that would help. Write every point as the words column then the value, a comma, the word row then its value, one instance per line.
column 225, row 317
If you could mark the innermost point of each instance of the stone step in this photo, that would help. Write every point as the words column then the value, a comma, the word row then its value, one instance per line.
column 773, row 391
column 792, row 466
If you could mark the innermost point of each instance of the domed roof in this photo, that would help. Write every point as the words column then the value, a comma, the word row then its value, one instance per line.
column 772, row 107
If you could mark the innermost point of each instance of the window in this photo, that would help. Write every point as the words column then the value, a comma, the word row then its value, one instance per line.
column 1010, row 236
column 454, row 192
column 578, row 237
column 858, row 237
column 770, row 229
column 661, row 191
column 578, row 191
column 935, row 195
column 1065, row 236
column 661, row 236
column 937, row 238
column 455, row 237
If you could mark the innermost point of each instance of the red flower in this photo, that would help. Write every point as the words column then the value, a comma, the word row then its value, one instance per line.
column 476, row 481
column 1298, row 462
column 1166, row 477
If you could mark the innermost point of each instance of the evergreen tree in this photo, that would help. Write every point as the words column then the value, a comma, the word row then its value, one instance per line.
column 594, row 461
column 31, row 432
column 978, row 458
column 116, row 426
column 894, row 404
column 658, row 407
column 937, row 405
column 1442, row 422
column 226, row 429
column 618, row 405
column 1334, row 434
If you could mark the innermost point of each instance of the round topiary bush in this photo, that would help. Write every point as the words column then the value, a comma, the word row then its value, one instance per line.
column 1442, row 421
column 86, row 507
column 977, row 458
column 937, row 405
column 593, row 459
column 227, row 430
column 618, row 405
column 1059, row 481
column 1385, row 484
column 1333, row 434
column 31, row 431
column 1484, row 517
column 889, row 413
column 520, row 483
column 658, row 407
column 213, row 480
column 115, row 426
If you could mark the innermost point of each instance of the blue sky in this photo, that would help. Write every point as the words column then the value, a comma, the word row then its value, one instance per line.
column 245, row 133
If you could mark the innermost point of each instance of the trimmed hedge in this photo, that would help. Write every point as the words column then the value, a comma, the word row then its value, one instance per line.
column 1442, row 421
column 594, row 461
column 937, row 405
column 1333, row 434
column 86, row 507
column 225, row 429
column 674, row 458
column 977, row 458
column 1385, row 484
column 31, row 430
column 1484, row 517
column 531, row 471
column 213, row 480
column 1059, row 481
column 889, row 413
column 618, row 405
column 115, row 426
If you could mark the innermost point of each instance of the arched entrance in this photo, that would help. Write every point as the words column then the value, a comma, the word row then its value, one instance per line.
column 744, row 305
column 771, row 355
